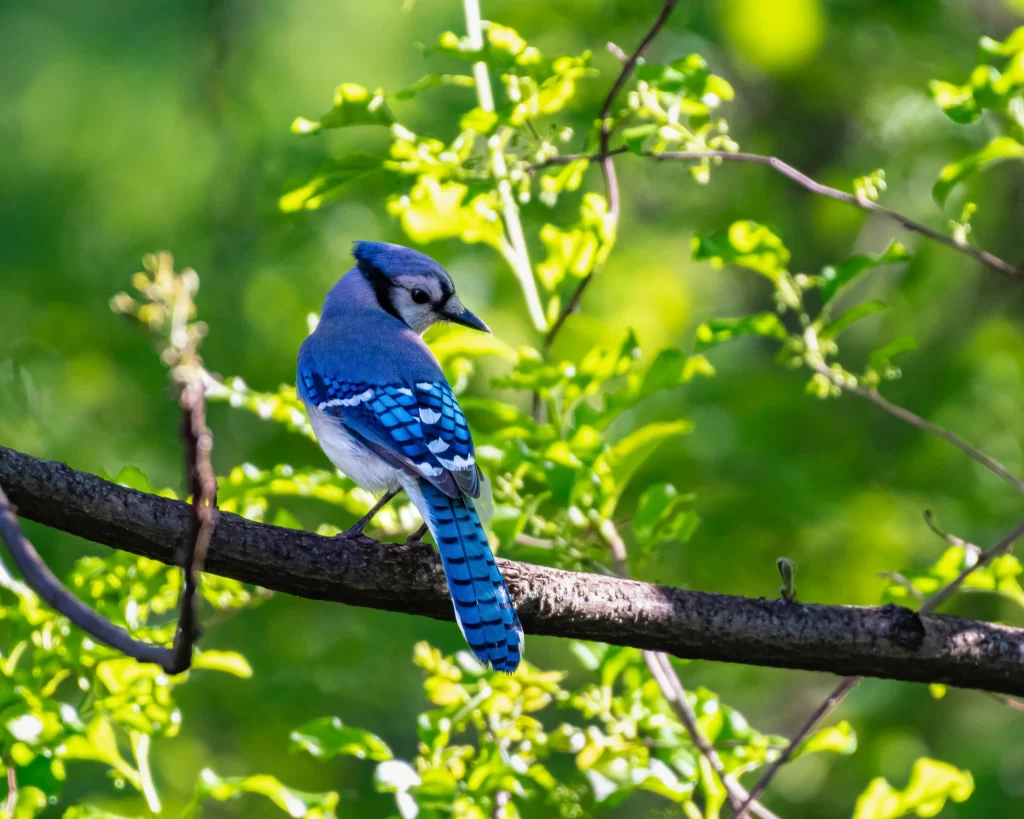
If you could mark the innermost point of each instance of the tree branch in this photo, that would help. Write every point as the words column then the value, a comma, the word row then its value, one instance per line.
column 611, row 181
column 990, row 260
column 203, row 488
column 887, row 641
column 847, row 684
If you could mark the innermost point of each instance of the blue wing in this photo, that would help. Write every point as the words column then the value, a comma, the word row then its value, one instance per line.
column 416, row 427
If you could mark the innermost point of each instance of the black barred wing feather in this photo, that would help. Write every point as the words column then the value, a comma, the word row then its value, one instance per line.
column 419, row 427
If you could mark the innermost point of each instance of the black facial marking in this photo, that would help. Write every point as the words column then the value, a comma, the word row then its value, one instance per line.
column 381, row 286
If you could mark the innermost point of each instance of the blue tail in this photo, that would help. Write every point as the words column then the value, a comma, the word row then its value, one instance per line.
column 483, row 608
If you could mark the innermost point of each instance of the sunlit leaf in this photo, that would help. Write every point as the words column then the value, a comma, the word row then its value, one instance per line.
column 295, row 803
column 719, row 331
column 330, row 182
column 230, row 662
column 997, row 150
column 353, row 105
column 327, row 737
column 747, row 244
column 839, row 738
column 845, row 320
column 617, row 466
column 835, row 279
column 931, row 784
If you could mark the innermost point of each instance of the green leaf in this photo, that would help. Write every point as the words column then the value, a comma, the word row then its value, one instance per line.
column 78, row 811
column 479, row 121
column 616, row 466
column 636, row 137
column 353, row 105
column 836, row 279
column 931, row 784
column 293, row 802
column 1000, row 576
column 434, row 81
column 465, row 343
column 435, row 210
column 663, row 514
column 747, row 244
column 997, row 150
column 330, row 182
column 230, row 662
column 839, row 738
column 844, row 320
column 32, row 801
column 719, row 331
column 327, row 737
column 100, row 745
column 881, row 359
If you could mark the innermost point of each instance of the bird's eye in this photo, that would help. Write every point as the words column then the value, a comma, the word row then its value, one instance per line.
column 420, row 296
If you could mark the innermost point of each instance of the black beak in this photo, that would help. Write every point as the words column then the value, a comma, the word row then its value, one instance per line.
column 455, row 311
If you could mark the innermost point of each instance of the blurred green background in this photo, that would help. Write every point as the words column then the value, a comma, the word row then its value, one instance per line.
column 129, row 127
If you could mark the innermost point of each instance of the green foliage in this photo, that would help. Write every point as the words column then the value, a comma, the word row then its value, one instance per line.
column 486, row 732
column 577, row 477
column 68, row 699
column 931, row 784
column 999, row 576
column 997, row 85
column 289, row 800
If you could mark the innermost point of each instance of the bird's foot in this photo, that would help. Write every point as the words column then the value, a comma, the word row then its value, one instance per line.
column 417, row 536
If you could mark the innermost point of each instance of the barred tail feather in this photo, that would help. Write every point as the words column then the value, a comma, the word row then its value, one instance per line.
column 483, row 608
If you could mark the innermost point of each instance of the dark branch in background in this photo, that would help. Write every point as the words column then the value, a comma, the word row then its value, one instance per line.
column 887, row 641
column 203, row 487
column 984, row 257
column 611, row 182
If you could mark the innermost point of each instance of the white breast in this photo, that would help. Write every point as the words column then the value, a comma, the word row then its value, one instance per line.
column 370, row 472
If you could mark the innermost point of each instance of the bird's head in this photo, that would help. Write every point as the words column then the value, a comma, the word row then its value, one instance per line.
column 412, row 286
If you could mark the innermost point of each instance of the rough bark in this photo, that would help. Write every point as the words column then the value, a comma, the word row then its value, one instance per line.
column 887, row 641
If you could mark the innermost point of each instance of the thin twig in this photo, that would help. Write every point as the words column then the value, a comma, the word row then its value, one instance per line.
column 845, row 686
column 611, row 181
column 915, row 420
column 984, row 257
column 848, row 683
column 949, row 537
column 983, row 559
column 672, row 689
column 203, row 486
column 11, row 802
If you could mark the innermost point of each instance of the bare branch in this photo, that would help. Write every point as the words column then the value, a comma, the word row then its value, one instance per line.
column 950, row 538
column 990, row 260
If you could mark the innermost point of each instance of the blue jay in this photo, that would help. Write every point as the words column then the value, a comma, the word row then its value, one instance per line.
column 385, row 415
